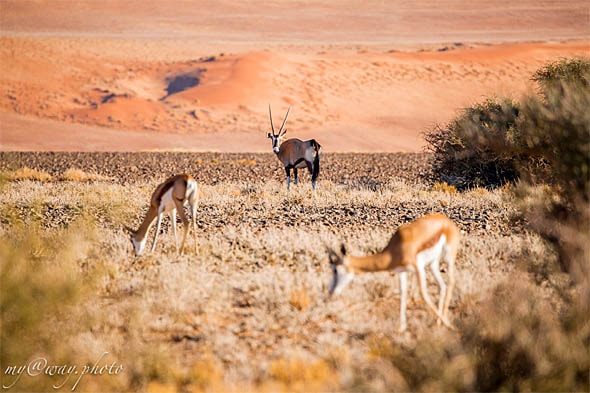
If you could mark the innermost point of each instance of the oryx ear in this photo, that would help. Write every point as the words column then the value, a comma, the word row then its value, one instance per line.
column 268, row 135
column 284, row 132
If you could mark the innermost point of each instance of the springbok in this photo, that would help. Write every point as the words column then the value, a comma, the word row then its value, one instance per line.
column 414, row 246
column 169, row 197
column 295, row 153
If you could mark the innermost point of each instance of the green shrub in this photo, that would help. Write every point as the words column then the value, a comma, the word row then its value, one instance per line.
column 471, row 150
column 556, row 127
column 518, row 339
column 545, row 138
column 514, row 341
column 539, row 350
column 40, row 284
column 553, row 75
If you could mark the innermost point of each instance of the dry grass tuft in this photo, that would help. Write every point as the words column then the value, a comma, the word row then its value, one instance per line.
column 78, row 175
column 245, row 161
column 299, row 299
column 72, row 174
column 27, row 174
column 206, row 372
column 444, row 187
column 301, row 374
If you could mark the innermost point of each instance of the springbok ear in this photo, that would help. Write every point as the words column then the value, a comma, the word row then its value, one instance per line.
column 343, row 249
column 333, row 256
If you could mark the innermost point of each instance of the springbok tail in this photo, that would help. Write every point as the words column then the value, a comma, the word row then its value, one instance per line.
column 191, row 190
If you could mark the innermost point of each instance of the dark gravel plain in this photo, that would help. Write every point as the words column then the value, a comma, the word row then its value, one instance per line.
column 366, row 171
column 369, row 170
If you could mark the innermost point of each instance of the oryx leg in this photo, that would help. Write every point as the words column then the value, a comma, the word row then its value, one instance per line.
column 310, row 168
column 288, row 171
column 296, row 178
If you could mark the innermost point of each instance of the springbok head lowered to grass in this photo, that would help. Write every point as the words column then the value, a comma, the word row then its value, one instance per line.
column 414, row 247
column 168, row 198
column 295, row 153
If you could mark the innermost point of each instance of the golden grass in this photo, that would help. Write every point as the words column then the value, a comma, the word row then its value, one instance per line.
column 298, row 374
column 299, row 299
column 251, row 310
column 26, row 174
column 444, row 187
column 78, row 175
column 72, row 174
column 245, row 161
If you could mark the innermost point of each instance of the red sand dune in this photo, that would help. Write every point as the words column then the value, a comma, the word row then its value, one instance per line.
column 193, row 76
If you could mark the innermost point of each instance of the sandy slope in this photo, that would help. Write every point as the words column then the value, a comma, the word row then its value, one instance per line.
column 371, row 77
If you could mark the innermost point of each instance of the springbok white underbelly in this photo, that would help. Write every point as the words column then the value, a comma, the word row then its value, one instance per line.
column 167, row 203
column 429, row 255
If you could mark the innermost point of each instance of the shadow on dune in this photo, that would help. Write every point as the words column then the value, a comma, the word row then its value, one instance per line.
column 182, row 82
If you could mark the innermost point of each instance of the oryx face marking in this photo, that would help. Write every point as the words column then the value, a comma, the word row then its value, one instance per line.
column 276, row 142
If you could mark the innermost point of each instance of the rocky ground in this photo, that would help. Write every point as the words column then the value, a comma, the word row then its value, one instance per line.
column 370, row 172
column 365, row 170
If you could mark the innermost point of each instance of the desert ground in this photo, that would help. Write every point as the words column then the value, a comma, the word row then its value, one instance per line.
column 250, row 311
column 191, row 76
column 101, row 101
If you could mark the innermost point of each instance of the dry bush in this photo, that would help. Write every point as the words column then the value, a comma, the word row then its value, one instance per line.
column 532, row 332
column 72, row 174
column 528, row 352
column 516, row 338
column 556, row 127
column 547, row 139
column 43, row 281
column 555, row 74
column 543, row 138
column 206, row 373
column 470, row 150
